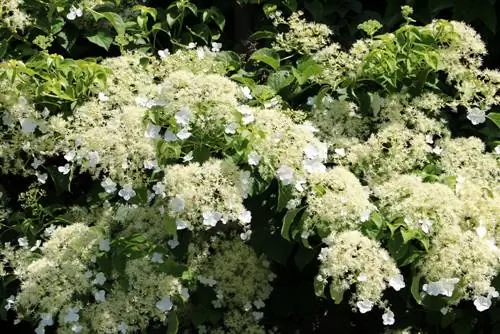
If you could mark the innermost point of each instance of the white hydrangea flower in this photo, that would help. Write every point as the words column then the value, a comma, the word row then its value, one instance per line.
column 163, row 53
column 364, row 306
column 28, row 125
column 208, row 281
column 444, row 286
column 40, row 330
column 7, row 119
column 183, row 116
column 258, row 315
column 191, row 45
column 481, row 231
column 100, row 296
column 122, row 328
column 231, row 128
column 497, row 149
column 388, row 318
column 108, row 185
column 314, row 166
column 340, row 152
column 476, row 116
column 49, row 230
column 37, row 245
column 170, row 136
column 429, row 139
column 247, row 113
column 246, row 235
column 362, row 277
column 437, row 150
column 259, row 303
column 74, row 12
column 11, row 301
column 64, row 169
column 150, row 164
column 216, row 46
column 188, row 157
column 41, row 177
column 210, row 218
column 247, row 92
column 285, row 175
column 482, row 303
column 397, row 282
column 104, row 245
column 365, row 216
column 77, row 328
column 253, row 158
column 37, row 163
column 299, row 185
column 184, row 293
column 46, row 319
column 173, row 243
column 157, row 257
column 184, row 134
column 425, row 225
column 93, row 159
column 180, row 225
column 103, row 97
column 127, row 192
column 152, row 131
column 45, row 112
column 71, row 315
column 311, row 101
column 245, row 217
column 144, row 102
column 99, row 279
column 159, row 189
column 23, row 242
column 70, row 155
column 200, row 52
column 176, row 204
column 165, row 304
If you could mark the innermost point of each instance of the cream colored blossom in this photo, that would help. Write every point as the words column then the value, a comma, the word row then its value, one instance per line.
column 347, row 255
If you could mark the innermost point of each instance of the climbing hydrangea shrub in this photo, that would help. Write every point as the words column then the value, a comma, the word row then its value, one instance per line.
column 165, row 196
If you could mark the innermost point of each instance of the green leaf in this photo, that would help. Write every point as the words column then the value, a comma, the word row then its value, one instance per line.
column 113, row 18
column 495, row 118
column 375, row 102
column 243, row 79
column 263, row 34
column 280, row 80
column 231, row 60
column 263, row 92
column 102, row 39
column 4, row 44
column 170, row 226
column 267, row 56
column 288, row 220
column 415, row 288
column 307, row 68
column 409, row 234
column 284, row 195
column 173, row 323
column 171, row 267
column 319, row 288
column 336, row 294
column 201, row 31
column 216, row 16
column 146, row 10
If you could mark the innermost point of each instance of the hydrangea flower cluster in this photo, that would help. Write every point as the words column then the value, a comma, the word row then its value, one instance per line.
column 140, row 195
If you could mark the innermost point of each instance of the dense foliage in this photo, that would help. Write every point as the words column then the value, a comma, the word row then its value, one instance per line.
column 152, row 180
